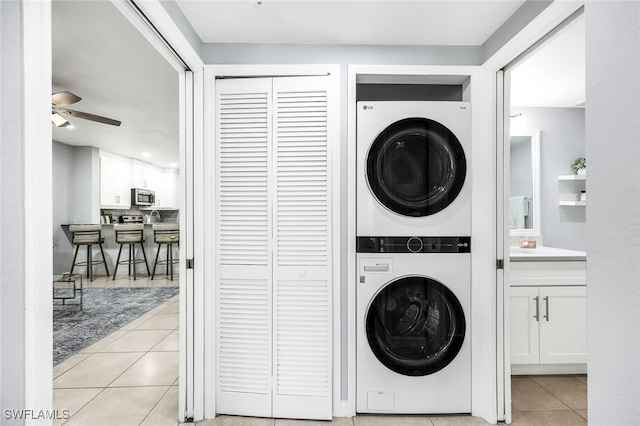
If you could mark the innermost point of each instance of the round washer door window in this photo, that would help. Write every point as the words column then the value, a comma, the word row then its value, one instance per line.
column 415, row 326
column 416, row 167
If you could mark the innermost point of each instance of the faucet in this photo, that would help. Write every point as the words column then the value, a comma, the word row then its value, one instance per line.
column 157, row 213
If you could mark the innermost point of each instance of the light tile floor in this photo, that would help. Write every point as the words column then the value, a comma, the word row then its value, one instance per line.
column 549, row 400
column 130, row 378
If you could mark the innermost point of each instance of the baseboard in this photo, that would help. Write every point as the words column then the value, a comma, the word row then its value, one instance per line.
column 342, row 410
column 537, row 369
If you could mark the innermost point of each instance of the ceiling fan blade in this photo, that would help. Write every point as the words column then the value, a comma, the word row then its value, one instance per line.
column 64, row 98
column 59, row 120
column 87, row 116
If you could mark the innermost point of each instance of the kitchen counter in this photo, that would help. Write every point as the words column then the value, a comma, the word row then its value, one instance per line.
column 146, row 225
column 111, row 248
column 545, row 254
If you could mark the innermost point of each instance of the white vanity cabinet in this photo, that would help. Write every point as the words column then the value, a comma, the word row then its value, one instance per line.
column 548, row 313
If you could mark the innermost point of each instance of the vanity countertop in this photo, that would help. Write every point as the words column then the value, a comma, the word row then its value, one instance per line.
column 545, row 254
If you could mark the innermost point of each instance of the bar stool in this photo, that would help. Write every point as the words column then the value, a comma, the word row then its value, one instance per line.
column 130, row 234
column 87, row 235
column 167, row 235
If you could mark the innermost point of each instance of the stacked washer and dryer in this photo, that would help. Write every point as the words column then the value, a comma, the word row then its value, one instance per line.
column 413, row 293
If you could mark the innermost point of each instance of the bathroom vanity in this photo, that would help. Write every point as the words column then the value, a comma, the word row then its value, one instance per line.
column 548, row 311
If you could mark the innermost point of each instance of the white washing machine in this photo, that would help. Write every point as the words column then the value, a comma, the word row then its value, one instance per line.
column 413, row 168
column 413, row 345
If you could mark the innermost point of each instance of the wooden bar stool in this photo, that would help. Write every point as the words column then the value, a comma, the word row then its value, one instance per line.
column 167, row 235
column 87, row 235
column 130, row 234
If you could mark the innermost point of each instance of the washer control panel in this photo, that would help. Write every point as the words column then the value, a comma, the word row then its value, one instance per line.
column 413, row 245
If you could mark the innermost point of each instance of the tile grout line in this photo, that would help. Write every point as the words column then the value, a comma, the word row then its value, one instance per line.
column 155, row 405
column 559, row 398
column 567, row 408
column 87, row 403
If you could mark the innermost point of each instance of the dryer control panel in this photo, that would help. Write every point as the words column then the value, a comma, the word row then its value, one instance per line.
column 413, row 245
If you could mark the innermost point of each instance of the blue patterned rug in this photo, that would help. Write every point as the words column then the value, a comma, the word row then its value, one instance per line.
column 104, row 310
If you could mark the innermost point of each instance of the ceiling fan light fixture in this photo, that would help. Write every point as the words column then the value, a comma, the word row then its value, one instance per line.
column 59, row 120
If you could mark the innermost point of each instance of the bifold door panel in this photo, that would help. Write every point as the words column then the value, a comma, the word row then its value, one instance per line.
column 273, row 286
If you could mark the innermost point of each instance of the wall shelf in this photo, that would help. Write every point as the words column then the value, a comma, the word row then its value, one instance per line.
column 572, row 177
column 573, row 203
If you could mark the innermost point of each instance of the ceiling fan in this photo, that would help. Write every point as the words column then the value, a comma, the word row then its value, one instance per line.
column 62, row 99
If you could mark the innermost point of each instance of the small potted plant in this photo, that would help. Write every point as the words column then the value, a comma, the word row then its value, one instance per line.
column 580, row 166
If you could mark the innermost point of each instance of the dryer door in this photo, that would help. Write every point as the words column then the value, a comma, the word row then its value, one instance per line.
column 416, row 167
column 415, row 326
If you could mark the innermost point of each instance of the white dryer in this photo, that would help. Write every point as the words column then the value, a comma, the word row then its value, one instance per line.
column 413, row 345
column 413, row 168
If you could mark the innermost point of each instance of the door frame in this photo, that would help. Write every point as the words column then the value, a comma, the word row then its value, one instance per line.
column 248, row 71
column 188, row 96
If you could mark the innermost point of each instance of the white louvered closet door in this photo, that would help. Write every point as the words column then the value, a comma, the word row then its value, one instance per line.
column 274, row 254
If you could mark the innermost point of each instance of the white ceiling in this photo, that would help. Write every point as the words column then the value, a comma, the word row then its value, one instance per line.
column 553, row 75
column 99, row 56
column 428, row 22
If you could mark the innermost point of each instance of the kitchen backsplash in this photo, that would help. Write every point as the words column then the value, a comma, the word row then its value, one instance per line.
column 165, row 216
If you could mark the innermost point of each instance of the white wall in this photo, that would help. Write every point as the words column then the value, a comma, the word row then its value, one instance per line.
column 12, row 292
column 613, row 270
column 63, row 183
column 562, row 140
column 86, row 188
column 76, row 195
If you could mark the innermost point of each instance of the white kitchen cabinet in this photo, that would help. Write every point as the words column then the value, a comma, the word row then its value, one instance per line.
column 167, row 193
column 274, row 245
column 115, row 182
column 549, row 325
column 146, row 176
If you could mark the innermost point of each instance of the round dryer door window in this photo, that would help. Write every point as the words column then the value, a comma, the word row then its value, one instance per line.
column 416, row 167
column 415, row 326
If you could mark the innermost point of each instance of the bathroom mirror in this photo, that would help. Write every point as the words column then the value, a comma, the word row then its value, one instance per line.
column 524, row 195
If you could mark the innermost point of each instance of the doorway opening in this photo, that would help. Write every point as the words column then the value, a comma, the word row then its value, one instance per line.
column 122, row 342
column 545, row 225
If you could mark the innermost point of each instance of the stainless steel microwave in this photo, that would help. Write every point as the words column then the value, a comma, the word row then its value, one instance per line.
column 142, row 197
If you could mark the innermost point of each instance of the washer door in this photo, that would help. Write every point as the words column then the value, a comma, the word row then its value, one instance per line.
column 415, row 326
column 416, row 167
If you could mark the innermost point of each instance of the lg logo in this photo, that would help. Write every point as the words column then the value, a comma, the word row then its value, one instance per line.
column 366, row 107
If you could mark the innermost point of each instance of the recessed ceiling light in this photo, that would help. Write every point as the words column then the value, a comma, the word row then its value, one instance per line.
column 146, row 154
